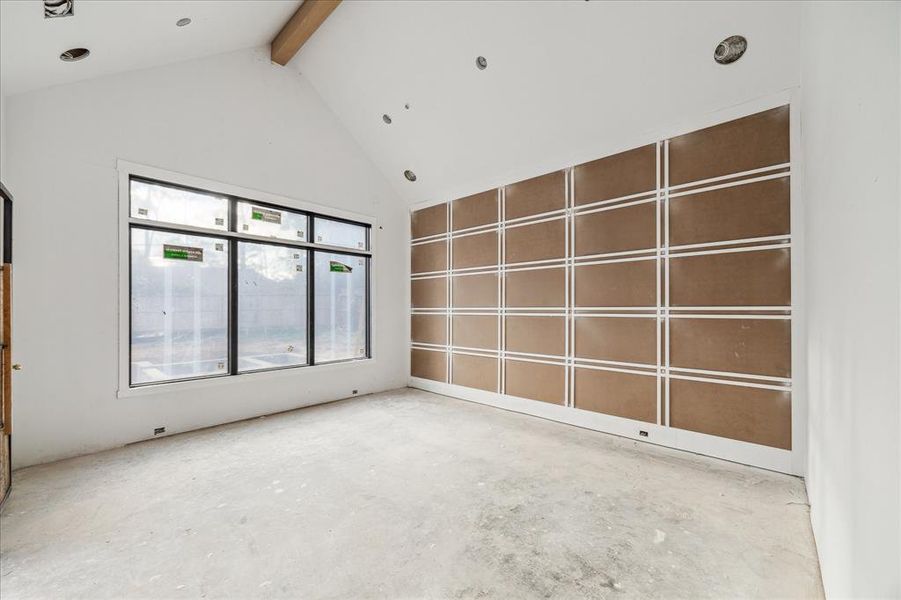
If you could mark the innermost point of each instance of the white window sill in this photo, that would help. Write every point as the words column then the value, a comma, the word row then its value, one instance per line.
column 212, row 382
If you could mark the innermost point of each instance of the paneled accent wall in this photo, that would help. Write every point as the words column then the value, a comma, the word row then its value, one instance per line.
column 652, row 285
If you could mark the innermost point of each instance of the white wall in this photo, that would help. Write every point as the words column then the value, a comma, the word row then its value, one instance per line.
column 852, row 146
column 566, row 81
column 232, row 118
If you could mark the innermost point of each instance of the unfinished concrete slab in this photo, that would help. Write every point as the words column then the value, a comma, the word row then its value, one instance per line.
column 404, row 494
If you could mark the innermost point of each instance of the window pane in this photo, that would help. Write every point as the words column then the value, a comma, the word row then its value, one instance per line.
column 338, row 233
column 179, row 306
column 340, row 306
column 272, row 306
column 271, row 222
column 174, row 205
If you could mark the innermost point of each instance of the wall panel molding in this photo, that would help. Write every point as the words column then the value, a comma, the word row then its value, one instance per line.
column 651, row 287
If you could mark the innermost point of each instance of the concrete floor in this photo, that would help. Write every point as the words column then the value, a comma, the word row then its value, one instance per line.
column 403, row 494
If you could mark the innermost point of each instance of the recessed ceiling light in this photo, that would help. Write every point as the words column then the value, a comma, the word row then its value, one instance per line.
column 482, row 63
column 58, row 8
column 74, row 54
column 730, row 49
column 410, row 175
column 183, row 21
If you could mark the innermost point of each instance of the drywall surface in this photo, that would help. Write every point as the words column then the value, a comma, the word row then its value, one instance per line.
column 2, row 135
column 566, row 82
column 850, row 130
column 233, row 118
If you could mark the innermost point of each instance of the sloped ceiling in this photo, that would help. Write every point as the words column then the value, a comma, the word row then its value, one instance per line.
column 566, row 81
column 124, row 35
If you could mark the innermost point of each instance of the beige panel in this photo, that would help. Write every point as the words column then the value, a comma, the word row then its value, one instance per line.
column 477, row 372
column 617, row 284
column 428, row 329
column 744, row 211
column 429, row 293
column 475, row 210
column 539, row 241
column 754, row 346
column 475, row 291
column 535, row 288
column 759, row 278
column 759, row 140
column 629, row 228
column 535, row 196
column 474, row 331
column 623, row 174
column 536, row 335
column 739, row 413
column 536, row 381
column 428, row 364
column 425, row 258
column 621, row 339
column 475, row 250
column 620, row 394
column 429, row 221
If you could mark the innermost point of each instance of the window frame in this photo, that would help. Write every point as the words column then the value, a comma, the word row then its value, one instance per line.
column 129, row 172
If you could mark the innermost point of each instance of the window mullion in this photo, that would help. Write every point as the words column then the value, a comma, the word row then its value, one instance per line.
column 232, row 290
column 311, row 296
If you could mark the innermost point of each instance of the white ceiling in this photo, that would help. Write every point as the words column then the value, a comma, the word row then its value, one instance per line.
column 125, row 35
column 566, row 81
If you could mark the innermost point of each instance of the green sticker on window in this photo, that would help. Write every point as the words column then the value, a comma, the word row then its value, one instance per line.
column 336, row 267
column 183, row 253
column 265, row 214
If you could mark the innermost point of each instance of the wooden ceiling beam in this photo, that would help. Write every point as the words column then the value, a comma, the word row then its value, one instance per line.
column 299, row 28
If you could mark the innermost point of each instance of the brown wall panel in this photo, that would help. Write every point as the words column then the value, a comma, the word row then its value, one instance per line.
column 758, row 278
column 428, row 364
column 475, row 291
column 475, row 331
column 475, row 250
column 754, row 346
column 629, row 228
column 428, row 329
column 428, row 293
column 536, row 287
column 536, row 381
column 539, row 241
column 429, row 221
column 479, row 372
column 425, row 258
column 620, row 394
column 739, row 413
column 743, row 211
column 759, row 140
column 536, row 335
column 622, row 339
column 475, row 210
column 623, row 174
column 535, row 196
column 617, row 284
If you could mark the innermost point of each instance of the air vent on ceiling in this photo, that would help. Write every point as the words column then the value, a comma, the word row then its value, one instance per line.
column 58, row 8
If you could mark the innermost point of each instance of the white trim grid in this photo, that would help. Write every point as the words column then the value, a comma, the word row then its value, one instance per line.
column 663, row 312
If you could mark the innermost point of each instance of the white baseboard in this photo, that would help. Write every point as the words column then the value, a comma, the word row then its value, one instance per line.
column 773, row 459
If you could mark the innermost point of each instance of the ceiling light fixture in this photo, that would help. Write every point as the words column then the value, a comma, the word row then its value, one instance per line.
column 730, row 49
column 387, row 119
column 58, row 8
column 410, row 175
column 74, row 54
column 482, row 63
column 183, row 22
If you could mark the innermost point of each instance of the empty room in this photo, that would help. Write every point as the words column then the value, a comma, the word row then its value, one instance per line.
column 450, row 299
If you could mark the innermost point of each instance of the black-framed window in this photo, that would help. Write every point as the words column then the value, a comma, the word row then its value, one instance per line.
column 221, row 285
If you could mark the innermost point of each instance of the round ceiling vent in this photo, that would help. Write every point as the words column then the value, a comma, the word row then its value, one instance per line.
column 482, row 63
column 387, row 119
column 730, row 49
column 183, row 22
column 410, row 175
column 74, row 54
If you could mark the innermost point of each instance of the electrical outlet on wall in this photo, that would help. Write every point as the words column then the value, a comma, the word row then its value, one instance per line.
column 159, row 430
